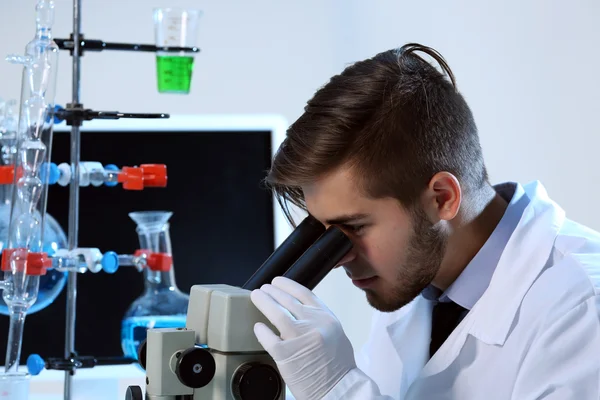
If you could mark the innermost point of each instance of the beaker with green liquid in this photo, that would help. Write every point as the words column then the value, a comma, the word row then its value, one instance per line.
column 175, row 27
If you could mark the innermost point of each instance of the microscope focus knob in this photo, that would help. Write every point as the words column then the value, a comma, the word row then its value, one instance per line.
column 134, row 393
column 256, row 381
column 141, row 353
column 195, row 367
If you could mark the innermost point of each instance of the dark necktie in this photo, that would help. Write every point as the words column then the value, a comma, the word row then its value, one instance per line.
column 445, row 317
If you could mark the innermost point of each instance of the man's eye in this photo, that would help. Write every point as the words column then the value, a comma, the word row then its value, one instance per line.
column 354, row 228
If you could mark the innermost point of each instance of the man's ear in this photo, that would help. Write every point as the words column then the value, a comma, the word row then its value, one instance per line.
column 442, row 197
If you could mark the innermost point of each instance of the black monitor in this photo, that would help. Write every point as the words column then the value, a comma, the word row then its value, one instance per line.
column 225, row 224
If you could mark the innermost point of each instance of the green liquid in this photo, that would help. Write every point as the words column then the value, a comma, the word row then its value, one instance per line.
column 174, row 73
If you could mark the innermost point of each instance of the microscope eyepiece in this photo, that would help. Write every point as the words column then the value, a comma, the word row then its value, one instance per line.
column 287, row 253
column 320, row 258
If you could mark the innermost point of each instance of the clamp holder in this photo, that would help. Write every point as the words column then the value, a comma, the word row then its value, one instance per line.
column 36, row 263
column 146, row 175
column 156, row 261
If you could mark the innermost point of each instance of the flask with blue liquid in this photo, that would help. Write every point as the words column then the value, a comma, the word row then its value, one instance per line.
column 162, row 304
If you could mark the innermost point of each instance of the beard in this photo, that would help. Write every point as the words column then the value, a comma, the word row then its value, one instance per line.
column 426, row 247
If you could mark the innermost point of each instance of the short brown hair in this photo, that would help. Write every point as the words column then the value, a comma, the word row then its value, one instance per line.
column 394, row 119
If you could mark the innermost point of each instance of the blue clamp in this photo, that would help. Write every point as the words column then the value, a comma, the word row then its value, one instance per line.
column 110, row 262
column 111, row 167
column 53, row 172
column 35, row 364
column 57, row 120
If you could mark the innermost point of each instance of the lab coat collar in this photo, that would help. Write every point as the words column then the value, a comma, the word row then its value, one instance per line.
column 491, row 318
column 523, row 259
column 474, row 280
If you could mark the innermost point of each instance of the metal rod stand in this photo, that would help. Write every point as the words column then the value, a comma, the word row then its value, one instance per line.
column 74, row 115
column 73, row 229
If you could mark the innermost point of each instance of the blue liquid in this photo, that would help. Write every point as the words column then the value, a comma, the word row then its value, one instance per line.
column 51, row 284
column 133, row 330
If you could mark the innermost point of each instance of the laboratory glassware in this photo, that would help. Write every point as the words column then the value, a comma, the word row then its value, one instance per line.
column 14, row 385
column 23, row 258
column 175, row 27
column 53, row 282
column 162, row 304
column 75, row 114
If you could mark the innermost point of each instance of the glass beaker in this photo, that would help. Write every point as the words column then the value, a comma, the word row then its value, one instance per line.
column 14, row 386
column 175, row 27
column 162, row 304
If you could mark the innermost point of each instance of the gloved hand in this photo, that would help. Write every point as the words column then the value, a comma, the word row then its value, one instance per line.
column 312, row 351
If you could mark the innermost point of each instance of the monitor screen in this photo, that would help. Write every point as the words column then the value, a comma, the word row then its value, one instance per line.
column 225, row 224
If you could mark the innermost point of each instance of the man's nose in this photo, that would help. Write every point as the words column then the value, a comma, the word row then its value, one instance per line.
column 351, row 255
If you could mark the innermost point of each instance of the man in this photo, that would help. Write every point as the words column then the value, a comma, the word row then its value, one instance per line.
column 482, row 292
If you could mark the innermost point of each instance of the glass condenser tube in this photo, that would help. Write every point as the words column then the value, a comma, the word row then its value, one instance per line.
column 23, row 260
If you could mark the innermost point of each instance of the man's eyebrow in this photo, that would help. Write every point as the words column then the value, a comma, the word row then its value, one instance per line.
column 345, row 219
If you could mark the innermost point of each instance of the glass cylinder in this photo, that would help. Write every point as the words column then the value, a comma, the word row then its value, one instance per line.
column 161, row 304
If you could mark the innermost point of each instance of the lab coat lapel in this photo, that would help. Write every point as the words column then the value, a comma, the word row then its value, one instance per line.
column 450, row 349
column 525, row 256
column 523, row 259
column 409, row 357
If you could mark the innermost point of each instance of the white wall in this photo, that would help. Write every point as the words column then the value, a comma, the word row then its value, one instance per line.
column 528, row 69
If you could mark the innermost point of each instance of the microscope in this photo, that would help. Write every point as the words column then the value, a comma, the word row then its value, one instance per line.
column 217, row 356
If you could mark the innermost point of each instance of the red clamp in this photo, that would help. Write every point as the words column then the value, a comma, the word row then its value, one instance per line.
column 156, row 261
column 131, row 178
column 7, row 174
column 155, row 175
column 36, row 263
column 146, row 175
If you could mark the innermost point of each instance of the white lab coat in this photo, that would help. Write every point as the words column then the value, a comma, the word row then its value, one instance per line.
column 534, row 334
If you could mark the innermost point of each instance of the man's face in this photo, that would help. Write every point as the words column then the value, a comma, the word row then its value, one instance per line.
column 396, row 253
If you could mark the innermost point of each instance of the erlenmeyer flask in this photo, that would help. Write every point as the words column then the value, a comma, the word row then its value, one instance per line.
column 162, row 304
